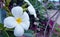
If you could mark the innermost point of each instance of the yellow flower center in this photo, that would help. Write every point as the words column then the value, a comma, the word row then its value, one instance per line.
column 19, row 20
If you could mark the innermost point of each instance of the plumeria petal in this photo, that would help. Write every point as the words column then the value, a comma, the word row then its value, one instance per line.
column 25, row 16
column 19, row 31
column 25, row 21
column 17, row 11
column 9, row 22
column 25, row 25
column 32, row 10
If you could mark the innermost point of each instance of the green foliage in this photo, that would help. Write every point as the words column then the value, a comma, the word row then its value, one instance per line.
column 11, row 34
column 29, row 33
column 50, row 5
column 5, row 34
column 7, row 2
column 57, row 28
column 38, row 6
column 6, row 7
column 45, row 1
column 1, row 26
column 33, row 2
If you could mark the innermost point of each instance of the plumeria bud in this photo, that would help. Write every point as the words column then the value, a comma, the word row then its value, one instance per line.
column 31, row 8
column 32, row 11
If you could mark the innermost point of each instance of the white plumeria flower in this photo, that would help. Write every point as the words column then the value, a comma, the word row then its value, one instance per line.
column 31, row 8
column 20, row 21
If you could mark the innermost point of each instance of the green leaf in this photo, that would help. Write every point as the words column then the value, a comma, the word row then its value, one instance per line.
column 57, row 28
column 45, row 1
column 1, row 26
column 33, row 2
column 9, row 29
column 5, row 34
column 29, row 33
column 50, row 5
column 7, row 2
column 11, row 34
column 8, row 11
